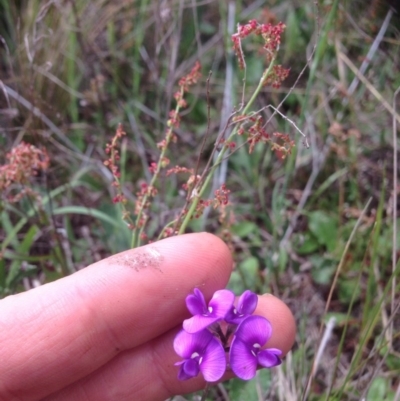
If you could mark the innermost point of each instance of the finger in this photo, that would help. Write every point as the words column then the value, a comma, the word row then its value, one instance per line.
column 147, row 373
column 282, row 321
column 60, row 332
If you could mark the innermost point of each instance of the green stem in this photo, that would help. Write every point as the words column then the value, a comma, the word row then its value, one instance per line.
column 198, row 196
column 170, row 224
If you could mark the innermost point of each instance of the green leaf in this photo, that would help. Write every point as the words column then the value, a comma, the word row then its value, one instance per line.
column 15, row 272
column 244, row 228
column 117, row 236
column 8, row 228
column 323, row 275
column 236, row 283
column 309, row 245
column 249, row 269
column 240, row 390
column 322, row 269
column 379, row 390
column 324, row 228
column 31, row 212
column 349, row 288
column 98, row 214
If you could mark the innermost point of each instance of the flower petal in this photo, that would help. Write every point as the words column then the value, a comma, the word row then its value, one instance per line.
column 269, row 357
column 198, row 323
column 254, row 330
column 221, row 303
column 232, row 316
column 247, row 303
column 242, row 361
column 190, row 368
column 213, row 365
column 186, row 344
column 196, row 303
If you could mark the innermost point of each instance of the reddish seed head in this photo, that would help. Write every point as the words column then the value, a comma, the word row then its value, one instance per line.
column 271, row 35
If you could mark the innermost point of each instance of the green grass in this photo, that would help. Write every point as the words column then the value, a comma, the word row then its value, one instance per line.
column 315, row 229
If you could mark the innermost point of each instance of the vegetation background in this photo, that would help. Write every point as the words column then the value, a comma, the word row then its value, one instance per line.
column 317, row 229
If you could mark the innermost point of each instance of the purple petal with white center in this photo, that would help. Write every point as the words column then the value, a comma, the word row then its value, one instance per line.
column 233, row 317
column 242, row 361
column 185, row 344
column 247, row 303
column 201, row 352
column 269, row 357
column 198, row 323
column 221, row 303
column 196, row 303
column 213, row 365
column 254, row 330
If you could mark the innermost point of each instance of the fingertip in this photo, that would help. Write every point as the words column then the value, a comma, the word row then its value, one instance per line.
column 216, row 246
column 282, row 321
column 206, row 254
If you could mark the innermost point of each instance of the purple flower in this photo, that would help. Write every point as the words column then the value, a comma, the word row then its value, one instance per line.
column 204, row 316
column 246, row 305
column 202, row 352
column 246, row 353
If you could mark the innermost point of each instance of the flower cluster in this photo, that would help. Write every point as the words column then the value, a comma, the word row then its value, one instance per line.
column 112, row 163
column 271, row 35
column 252, row 127
column 23, row 162
column 286, row 146
column 276, row 76
column 112, row 150
column 223, row 327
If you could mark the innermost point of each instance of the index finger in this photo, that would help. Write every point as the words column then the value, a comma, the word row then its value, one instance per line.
column 82, row 321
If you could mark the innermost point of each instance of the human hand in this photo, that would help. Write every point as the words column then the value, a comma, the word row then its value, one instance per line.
column 106, row 332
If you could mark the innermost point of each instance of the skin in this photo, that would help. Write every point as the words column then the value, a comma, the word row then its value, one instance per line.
column 105, row 333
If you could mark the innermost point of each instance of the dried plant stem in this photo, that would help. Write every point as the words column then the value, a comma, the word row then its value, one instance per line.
column 333, row 286
column 138, row 227
column 205, row 392
column 370, row 87
column 201, row 186
column 114, row 159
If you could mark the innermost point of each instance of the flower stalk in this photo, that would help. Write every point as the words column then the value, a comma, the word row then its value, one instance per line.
column 139, row 223
column 225, row 147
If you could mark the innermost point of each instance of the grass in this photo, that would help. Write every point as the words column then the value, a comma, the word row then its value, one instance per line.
column 316, row 229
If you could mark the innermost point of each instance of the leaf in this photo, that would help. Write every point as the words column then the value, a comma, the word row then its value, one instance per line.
column 236, row 283
column 118, row 237
column 88, row 212
column 347, row 289
column 323, row 275
column 31, row 212
column 244, row 228
column 15, row 272
column 240, row 390
column 322, row 269
column 309, row 245
column 324, row 228
column 379, row 390
column 249, row 269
